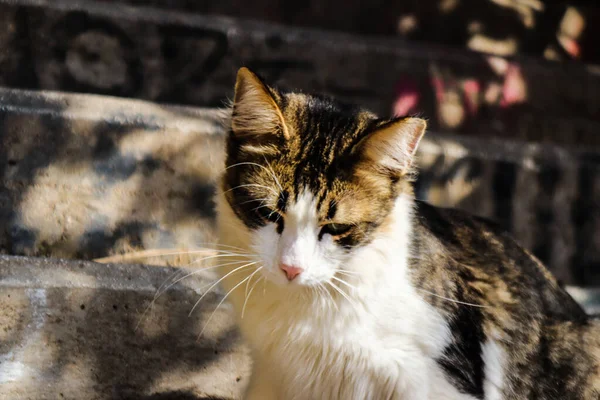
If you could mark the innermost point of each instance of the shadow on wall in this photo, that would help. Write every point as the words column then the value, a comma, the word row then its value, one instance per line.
column 82, row 179
column 29, row 143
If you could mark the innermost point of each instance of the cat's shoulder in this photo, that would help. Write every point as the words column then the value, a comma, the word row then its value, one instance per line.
column 476, row 250
column 456, row 226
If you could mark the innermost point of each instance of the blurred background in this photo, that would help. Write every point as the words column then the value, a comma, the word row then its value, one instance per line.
column 485, row 69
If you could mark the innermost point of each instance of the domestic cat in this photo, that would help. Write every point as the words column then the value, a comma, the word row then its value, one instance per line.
column 346, row 287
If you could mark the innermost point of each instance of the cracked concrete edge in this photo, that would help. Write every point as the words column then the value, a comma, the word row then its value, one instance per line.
column 117, row 110
column 47, row 273
column 78, row 329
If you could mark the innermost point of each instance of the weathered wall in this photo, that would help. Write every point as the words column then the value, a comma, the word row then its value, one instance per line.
column 490, row 26
column 183, row 58
column 87, row 176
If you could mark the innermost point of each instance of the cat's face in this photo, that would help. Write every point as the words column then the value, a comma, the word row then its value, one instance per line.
column 312, row 180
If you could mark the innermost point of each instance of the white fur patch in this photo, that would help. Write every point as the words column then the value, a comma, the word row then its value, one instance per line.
column 494, row 361
column 298, row 245
column 379, row 341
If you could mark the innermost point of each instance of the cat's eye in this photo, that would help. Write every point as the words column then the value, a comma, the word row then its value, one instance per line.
column 268, row 214
column 335, row 229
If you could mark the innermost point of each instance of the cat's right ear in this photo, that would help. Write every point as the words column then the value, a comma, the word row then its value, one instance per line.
column 392, row 145
column 256, row 114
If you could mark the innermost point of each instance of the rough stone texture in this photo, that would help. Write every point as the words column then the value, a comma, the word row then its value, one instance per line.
column 86, row 176
column 80, row 330
column 165, row 56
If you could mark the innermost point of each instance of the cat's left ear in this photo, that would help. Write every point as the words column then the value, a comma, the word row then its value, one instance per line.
column 393, row 144
column 256, row 113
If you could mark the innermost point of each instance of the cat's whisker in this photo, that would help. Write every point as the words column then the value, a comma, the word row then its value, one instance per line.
column 344, row 282
column 222, row 245
column 248, row 283
column 160, row 291
column 340, row 291
column 218, row 281
column 199, row 271
column 251, row 290
column 273, row 175
column 220, row 255
column 168, row 279
column 346, row 272
column 253, row 201
column 252, row 185
column 324, row 289
column 154, row 253
column 453, row 300
column 219, row 305
column 258, row 165
column 155, row 297
column 242, row 163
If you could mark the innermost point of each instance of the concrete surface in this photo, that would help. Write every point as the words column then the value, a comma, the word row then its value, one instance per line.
column 80, row 330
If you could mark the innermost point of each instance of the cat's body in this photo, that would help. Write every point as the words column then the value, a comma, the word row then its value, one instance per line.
column 394, row 299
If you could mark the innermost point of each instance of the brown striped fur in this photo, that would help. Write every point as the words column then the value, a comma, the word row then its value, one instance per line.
column 317, row 153
column 483, row 283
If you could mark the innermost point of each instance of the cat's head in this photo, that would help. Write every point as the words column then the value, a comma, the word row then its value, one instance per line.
column 310, row 179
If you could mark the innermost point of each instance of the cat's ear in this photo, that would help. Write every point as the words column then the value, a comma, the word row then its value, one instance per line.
column 393, row 144
column 255, row 110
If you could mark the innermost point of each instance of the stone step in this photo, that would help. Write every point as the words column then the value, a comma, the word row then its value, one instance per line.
column 86, row 176
column 185, row 58
column 79, row 330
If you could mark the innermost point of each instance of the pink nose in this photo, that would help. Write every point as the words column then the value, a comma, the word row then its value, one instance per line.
column 290, row 271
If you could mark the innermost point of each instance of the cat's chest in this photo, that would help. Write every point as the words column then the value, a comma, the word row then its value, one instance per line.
column 381, row 352
column 331, row 363
column 335, row 357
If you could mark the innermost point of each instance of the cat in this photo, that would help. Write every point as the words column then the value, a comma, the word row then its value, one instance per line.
column 346, row 287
